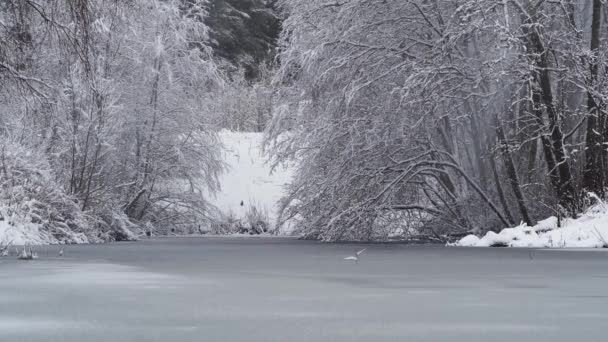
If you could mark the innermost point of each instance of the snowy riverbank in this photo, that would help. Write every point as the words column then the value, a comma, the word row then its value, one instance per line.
column 590, row 230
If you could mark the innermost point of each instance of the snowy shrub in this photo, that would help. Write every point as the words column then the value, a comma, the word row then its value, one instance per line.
column 33, row 206
column 254, row 222
column 227, row 224
column 257, row 220
column 115, row 226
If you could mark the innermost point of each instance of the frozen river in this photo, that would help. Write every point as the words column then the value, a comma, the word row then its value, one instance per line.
column 260, row 289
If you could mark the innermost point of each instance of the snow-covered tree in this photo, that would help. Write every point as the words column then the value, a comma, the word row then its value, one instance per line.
column 117, row 95
column 428, row 114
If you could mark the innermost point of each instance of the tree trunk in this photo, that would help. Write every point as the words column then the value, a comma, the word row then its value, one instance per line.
column 532, row 159
column 500, row 191
column 477, row 137
column 545, row 141
column 543, row 98
column 593, row 173
column 512, row 173
column 565, row 190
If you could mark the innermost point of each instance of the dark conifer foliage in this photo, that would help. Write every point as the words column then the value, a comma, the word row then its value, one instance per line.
column 244, row 33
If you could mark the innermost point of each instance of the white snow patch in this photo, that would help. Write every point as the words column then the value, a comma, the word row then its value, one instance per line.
column 590, row 230
column 469, row 240
column 17, row 231
column 249, row 179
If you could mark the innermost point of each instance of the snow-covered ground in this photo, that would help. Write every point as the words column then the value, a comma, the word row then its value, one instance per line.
column 249, row 181
column 590, row 230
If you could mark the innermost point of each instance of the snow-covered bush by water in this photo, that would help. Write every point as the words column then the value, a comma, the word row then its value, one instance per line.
column 590, row 230
column 255, row 221
column 34, row 209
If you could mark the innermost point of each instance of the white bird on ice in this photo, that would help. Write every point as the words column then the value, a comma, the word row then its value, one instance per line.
column 61, row 252
column 355, row 257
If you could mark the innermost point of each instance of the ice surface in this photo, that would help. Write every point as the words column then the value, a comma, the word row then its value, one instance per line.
column 234, row 289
